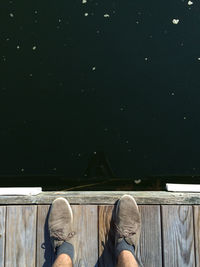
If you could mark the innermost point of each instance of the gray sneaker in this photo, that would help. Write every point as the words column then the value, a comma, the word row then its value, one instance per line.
column 127, row 221
column 60, row 222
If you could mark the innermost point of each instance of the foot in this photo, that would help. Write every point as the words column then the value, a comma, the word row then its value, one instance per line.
column 127, row 221
column 60, row 222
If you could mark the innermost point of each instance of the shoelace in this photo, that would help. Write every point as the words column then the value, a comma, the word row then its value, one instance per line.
column 124, row 233
column 59, row 235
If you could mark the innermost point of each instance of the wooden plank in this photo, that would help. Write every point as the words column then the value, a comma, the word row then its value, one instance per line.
column 2, row 234
column 45, row 254
column 86, row 239
column 178, row 236
column 20, row 236
column 197, row 234
column 106, row 198
column 106, row 236
column 150, row 245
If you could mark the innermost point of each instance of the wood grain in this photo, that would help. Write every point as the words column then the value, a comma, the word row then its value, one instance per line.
column 20, row 236
column 45, row 254
column 197, row 234
column 105, row 198
column 178, row 236
column 2, row 234
column 106, row 236
column 86, row 239
column 150, row 245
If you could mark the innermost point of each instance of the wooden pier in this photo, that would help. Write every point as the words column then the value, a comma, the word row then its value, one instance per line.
column 170, row 228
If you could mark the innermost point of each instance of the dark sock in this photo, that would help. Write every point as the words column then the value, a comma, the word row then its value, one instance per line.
column 123, row 245
column 65, row 248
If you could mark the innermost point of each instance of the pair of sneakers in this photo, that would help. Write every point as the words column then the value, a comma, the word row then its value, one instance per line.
column 127, row 221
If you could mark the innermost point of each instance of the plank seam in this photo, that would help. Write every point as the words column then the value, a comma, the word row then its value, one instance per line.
column 36, row 238
column 161, row 236
column 98, row 233
column 5, row 236
column 194, row 235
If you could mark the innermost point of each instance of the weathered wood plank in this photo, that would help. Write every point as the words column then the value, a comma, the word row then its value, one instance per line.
column 2, row 234
column 106, row 236
column 86, row 239
column 20, row 236
column 45, row 254
column 178, row 236
column 197, row 234
column 106, row 198
column 150, row 245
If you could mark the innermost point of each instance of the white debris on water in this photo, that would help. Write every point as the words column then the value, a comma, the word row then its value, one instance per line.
column 190, row 3
column 18, row 47
column 11, row 15
column 106, row 15
column 34, row 47
column 84, row 1
column 93, row 68
column 86, row 14
column 175, row 21
column 137, row 181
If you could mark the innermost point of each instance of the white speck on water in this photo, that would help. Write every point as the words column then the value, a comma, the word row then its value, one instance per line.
column 106, row 15
column 11, row 15
column 95, row 152
column 175, row 21
column 18, row 47
column 127, row 141
column 98, row 31
column 137, row 22
column 137, row 181
column 172, row 93
column 198, row 58
column 146, row 58
column 184, row 118
column 93, row 68
column 7, row 39
column 22, row 170
column 190, row 3
column 84, row 1
column 86, row 14
column 54, row 169
column 36, row 12
column 59, row 20
column 34, row 47
column 31, row 75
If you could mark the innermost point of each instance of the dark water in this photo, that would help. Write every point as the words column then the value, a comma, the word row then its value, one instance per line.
column 98, row 90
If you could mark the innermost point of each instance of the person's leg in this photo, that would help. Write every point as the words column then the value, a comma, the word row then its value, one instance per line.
column 127, row 221
column 60, row 230
column 126, row 259
column 63, row 260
